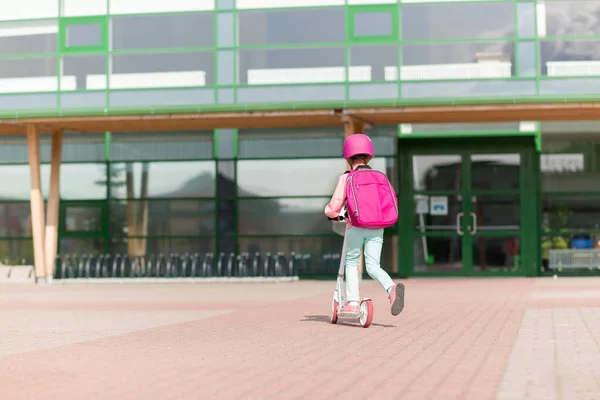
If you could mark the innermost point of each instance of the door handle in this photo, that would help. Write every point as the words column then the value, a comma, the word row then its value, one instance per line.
column 474, row 230
column 458, row 223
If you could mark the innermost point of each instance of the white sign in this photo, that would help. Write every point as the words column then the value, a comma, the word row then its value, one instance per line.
column 423, row 205
column 562, row 163
column 438, row 205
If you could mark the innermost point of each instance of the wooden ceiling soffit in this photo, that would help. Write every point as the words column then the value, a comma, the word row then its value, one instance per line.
column 313, row 118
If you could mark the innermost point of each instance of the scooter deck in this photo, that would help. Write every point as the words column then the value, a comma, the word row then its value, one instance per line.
column 348, row 315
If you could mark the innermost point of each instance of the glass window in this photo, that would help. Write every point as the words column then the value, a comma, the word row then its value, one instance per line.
column 226, row 67
column 16, row 252
column 161, row 146
column 577, row 211
column 83, row 219
column 291, row 143
column 570, row 165
column 416, row 90
column 29, row 37
column 419, row 60
column 527, row 58
column 437, row 172
column 162, row 246
column 226, row 216
column 163, row 179
column 15, row 219
column 293, row 94
column 226, row 143
column 225, row 4
column 378, row 62
column 81, row 181
column 162, row 31
column 80, row 35
column 314, row 254
column 225, row 30
column 373, row 23
column 28, row 75
column 77, row 69
column 77, row 181
column 570, row 86
column 80, row 246
column 571, row 18
column 299, row 216
column 495, row 171
column 76, row 147
column 526, row 19
column 466, row 127
column 162, row 218
column 307, row 177
column 469, row 21
column 569, row 57
column 226, row 178
column 288, row 66
column 290, row 26
column 150, row 70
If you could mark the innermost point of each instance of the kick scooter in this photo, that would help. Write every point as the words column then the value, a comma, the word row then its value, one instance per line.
column 365, row 309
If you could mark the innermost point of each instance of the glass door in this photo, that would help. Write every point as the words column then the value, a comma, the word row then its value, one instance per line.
column 465, row 207
column 83, row 227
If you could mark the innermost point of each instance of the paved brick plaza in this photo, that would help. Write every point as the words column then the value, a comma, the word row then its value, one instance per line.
column 475, row 339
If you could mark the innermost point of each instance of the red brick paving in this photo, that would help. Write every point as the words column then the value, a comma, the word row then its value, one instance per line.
column 452, row 341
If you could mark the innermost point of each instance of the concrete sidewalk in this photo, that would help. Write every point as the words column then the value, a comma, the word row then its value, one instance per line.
column 456, row 339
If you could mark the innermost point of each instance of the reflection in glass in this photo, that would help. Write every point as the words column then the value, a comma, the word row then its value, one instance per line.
column 469, row 21
column 80, row 181
column 161, row 146
column 16, row 252
column 163, row 179
column 496, row 212
column 176, row 30
column 162, row 218
column 83, row 219
column 226, row 179
column 315, row 254
column 554, row 53
column 437, row 254
column 290, row 143
column 15, row 219
column 380, row 59
column 526, row 20
column 164, row 246
column 578, row 212
column 81, row 246
column 472, row 88
column 297, row 65
column 568, row 165
column 299, row 216
column 527, row 58
column 495, row 171
column 84, row 35
column 570, row 18
column 496, row 253
column 289, row 26
column 373, row 23
column 424, row 221
column 439, row 172
column 308, row 177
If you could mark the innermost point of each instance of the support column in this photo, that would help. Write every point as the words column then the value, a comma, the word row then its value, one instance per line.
column 53, row 206
column 37, row 201
column 351, row 127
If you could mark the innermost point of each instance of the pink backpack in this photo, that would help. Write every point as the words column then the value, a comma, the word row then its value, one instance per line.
column 371, row 201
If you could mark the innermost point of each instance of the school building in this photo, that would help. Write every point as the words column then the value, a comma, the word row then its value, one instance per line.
column 209, row 126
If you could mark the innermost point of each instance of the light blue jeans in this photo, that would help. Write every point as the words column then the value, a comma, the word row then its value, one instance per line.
column 372, row 241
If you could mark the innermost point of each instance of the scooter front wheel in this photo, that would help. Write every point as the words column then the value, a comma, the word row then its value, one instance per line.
column 334, row 311
column 366, row 313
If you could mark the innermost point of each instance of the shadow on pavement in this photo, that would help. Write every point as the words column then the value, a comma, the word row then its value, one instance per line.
column 346, row 322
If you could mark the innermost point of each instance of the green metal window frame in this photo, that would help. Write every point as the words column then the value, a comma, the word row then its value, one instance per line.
column 64, row 24
column 352, row 37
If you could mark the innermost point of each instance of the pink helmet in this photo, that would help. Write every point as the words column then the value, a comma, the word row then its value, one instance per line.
column 359, row 143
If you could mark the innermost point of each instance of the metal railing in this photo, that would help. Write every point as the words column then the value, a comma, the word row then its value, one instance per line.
column 175, row 265
column 574, row 259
